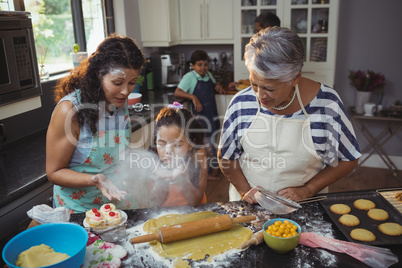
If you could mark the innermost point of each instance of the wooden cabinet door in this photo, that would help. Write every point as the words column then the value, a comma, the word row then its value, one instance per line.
column 159, row 20
column 192, row 19
column 218, row 19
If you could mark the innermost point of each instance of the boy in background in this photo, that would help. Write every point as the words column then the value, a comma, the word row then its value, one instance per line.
column 199, row 86
column 262, row 21
column 266, row 19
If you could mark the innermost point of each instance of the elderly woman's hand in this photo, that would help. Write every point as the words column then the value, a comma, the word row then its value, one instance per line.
column 249, row 197
column 295, row 193
column 108, row 189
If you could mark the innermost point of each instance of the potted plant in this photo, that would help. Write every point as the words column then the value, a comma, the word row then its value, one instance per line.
column 366, row 83
column 139, row 83
column 77, row 56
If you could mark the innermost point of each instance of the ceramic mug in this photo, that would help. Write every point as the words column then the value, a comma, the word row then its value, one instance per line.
column 369, row 109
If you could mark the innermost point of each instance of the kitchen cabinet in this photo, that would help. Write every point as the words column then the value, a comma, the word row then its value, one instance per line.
column 314, row 20
column 206, row 21
column 13, row 216
column 159, row 21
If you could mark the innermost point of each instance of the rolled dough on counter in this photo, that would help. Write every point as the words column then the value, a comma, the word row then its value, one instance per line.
column 195, row 248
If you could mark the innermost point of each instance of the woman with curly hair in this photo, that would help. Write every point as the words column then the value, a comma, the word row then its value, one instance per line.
column 90, row 127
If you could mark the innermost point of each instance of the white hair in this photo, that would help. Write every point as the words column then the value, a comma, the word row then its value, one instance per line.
column 275, row 53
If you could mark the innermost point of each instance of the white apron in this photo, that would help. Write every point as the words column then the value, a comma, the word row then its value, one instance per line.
column 278, row 152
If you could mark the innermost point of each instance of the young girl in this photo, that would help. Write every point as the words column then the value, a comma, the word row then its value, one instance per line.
column 178, row 141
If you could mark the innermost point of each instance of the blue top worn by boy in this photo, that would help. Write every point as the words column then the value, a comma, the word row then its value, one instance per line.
column 198, row 86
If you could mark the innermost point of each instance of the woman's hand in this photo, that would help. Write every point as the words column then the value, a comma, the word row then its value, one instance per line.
column 108, row 189
column 232, row 86
column 295, row 193
column 249, row 197
column 197, row 104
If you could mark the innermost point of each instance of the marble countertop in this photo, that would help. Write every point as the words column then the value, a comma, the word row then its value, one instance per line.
column 22, row 162
column 312, row 217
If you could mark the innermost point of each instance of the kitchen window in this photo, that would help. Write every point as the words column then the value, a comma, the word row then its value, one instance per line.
column 59, row 24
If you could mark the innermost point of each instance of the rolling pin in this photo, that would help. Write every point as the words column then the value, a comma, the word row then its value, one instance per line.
column 193, row 229
column 255, row 239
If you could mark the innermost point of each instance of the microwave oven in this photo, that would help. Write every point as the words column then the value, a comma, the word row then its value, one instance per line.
column 19, row 76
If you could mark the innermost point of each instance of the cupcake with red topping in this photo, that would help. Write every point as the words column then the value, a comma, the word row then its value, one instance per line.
column 91, row 213
column 106, row 208
column 96, row 220
column 113, row 217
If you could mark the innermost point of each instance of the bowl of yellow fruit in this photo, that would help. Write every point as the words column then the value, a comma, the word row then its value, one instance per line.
column 242, row 84
column 281, row 235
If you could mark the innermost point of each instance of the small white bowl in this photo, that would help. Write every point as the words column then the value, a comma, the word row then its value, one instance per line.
column 134, row 98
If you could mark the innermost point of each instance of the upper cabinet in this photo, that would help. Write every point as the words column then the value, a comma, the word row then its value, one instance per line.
column 315, row 21
column 206, row 21
column 160, row 24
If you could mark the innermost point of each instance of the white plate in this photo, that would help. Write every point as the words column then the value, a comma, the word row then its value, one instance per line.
column 105, row 228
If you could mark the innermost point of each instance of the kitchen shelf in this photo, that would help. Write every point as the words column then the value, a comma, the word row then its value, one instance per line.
column 314, row 20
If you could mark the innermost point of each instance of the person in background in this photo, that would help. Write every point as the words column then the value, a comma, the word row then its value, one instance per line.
column 179, row 144
column 264, row 20
column 286, row 133
column 199, row 86
column 90, row 126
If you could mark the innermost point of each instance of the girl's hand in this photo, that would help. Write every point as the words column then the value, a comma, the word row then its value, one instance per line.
column 249, row 196
column 197, row 104
column 108, row 189
column 178, row 171
column 176, row 174
column 169, row 175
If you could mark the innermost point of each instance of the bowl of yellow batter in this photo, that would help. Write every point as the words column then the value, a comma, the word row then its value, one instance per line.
column 48, row 245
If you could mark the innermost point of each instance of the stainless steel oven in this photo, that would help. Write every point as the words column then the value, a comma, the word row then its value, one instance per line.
column 19, row 77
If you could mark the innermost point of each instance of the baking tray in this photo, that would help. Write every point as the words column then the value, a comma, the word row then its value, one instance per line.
column 389, row 195
column 365, row 221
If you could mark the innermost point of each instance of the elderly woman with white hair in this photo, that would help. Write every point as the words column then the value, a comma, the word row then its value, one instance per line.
column 286, row 133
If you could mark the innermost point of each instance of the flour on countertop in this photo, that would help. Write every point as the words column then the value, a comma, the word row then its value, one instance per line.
column 142, row 255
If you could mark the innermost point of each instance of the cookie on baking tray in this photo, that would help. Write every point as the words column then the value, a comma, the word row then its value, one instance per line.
column 390, row 228
column 340, row 209
column 362, row 235
column 349, row 220
column 378, row 214
column 364, row 204
column 398, row 196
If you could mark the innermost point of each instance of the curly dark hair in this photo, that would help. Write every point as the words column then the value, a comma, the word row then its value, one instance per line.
column 114, row 52
column 198, row 55
column 183, row 119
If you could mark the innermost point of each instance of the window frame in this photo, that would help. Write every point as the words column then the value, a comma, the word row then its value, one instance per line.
column 78, row 21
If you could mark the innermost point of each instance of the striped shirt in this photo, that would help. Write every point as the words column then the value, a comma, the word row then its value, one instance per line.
column 331, row 129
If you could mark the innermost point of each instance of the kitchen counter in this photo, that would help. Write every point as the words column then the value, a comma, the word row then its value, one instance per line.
column 311, row 217
column 22, row 162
